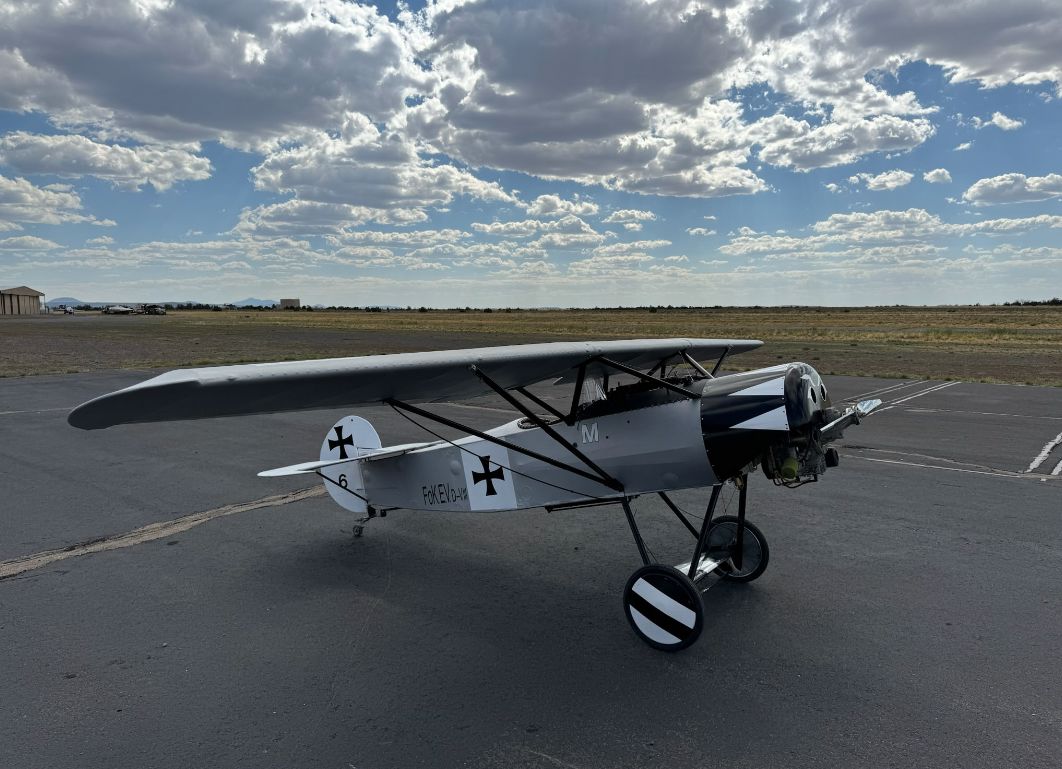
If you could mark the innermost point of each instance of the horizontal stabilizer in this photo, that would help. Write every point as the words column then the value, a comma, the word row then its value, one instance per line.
column 301, row 468
column 368, row 455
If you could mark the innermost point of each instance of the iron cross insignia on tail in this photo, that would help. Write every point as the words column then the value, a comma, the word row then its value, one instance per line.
column 341, row 442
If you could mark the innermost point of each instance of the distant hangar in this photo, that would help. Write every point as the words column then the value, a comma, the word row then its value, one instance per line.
column 20, row 300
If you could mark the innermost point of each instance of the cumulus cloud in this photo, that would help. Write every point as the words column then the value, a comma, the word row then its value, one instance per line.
column 963, row 147
column 615, row 265
column 409, row 238
column 309, row 217
column 569, row 224
column 854, row 233
column 23, row 201
column 999, row 120
column 27, row 243
column 937, row 176
column 366, row 167
column 615, row 249
column 627, row 215
column 248, row 73
column 565, row 240
column 76, row 156
column 799, row 145
column 889, row 180
column 1014, row 188
column 630, row 95
column 362, row 122
column 554, row 205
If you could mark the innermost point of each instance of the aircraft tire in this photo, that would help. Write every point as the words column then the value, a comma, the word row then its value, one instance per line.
column 756, row 553
column 663, row 607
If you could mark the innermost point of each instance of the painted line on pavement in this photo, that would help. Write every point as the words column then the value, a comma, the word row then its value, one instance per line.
column 888, row 389
column 927, row 391
column 1037, row 417
column 148, row 533
column 35, row 411
column 997, row 473
column 1040, row 458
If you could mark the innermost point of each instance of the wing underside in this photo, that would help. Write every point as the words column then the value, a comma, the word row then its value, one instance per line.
column 262, row 388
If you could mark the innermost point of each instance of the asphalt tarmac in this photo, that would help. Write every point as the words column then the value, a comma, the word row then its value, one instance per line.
column 911, row 614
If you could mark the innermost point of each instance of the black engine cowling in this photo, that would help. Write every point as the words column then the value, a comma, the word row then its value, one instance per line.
column 769, row 417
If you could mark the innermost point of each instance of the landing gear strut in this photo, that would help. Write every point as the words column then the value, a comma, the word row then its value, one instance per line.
column 663, row 603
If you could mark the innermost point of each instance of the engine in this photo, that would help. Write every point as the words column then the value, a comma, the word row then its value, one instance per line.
column 774, row 418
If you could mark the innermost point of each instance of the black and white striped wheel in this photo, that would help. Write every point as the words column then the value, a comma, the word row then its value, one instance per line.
column 664, row 607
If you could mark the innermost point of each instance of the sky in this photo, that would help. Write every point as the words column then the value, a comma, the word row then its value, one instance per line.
column 556, row 153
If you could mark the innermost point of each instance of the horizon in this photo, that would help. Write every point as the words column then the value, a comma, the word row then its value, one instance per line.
column 452, row 154
column 194, row 304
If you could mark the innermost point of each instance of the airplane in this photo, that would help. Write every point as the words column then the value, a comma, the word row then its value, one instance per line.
column 644, row 417
column 118, row 309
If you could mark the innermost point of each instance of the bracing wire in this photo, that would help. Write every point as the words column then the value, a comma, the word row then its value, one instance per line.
column 511, row 470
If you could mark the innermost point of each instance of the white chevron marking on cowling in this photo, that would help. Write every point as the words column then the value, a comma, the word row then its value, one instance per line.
column 770, row 387
column 770, row 420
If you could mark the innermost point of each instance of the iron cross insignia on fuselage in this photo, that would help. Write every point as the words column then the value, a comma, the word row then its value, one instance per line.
column 341, row 443
column 488, row 475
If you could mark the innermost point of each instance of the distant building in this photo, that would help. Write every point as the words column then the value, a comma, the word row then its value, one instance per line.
column 289, row 304
column 20, row 300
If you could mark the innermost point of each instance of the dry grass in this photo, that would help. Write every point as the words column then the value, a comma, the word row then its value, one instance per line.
column 1001, row 344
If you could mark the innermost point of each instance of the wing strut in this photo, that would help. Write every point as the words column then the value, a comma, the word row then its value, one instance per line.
column 541, row 403
column 544, row 426
column 695, row 365
column 719, row 362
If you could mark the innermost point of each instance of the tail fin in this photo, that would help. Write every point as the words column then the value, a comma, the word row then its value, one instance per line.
column 350, row 438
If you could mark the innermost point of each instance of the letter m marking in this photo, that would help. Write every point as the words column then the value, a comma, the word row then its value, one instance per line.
column 590, row 433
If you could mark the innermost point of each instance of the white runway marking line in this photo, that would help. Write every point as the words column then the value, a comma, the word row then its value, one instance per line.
column 927, row 391
column 1038, row 417
column 1042, row 456
column 883, row 390
column 148, row 533
column 35, row 411
column 1000, row 474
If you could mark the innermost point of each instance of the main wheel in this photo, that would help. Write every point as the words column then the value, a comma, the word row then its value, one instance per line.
column 664, row 607
column 722, row 544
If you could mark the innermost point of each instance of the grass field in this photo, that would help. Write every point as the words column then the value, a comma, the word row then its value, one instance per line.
column 993, row 344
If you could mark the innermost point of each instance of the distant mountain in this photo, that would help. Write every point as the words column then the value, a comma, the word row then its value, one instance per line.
column 252, row 302
column 68, row 300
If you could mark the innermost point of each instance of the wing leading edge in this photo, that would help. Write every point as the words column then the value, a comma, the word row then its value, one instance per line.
column 263, row 388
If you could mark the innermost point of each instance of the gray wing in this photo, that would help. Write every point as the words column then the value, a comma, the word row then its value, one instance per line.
column 263, row 388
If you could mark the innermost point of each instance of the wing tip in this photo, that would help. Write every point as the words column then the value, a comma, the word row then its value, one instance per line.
column 84, row 417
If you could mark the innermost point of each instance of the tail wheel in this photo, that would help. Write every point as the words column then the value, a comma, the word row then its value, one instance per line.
column 722, row 546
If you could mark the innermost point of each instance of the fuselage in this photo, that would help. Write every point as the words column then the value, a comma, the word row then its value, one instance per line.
column 648, row 438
